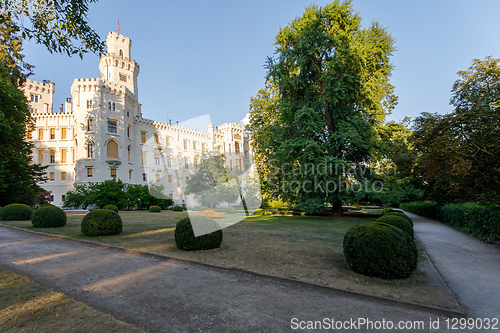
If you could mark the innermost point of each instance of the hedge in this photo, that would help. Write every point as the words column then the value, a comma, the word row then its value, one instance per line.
column 16, row 212
column 425, row 208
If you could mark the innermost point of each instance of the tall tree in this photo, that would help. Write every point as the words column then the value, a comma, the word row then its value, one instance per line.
column 18, row 176
column 460, row 152
column 332, row 82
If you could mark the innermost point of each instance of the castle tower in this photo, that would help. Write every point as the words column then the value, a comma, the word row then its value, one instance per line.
column 116, row 65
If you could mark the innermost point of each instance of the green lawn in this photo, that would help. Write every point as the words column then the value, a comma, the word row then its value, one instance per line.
column 306, row 248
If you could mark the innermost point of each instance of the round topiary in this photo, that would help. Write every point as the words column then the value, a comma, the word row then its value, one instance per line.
column 101, row 222
column 230, row 210
column 154, row 209
column 380, row 250
column 112, row 207
column 403, row 215
column 184, row 234
column 48, row 217
column 16, row 212
column 177, row 208
column 398, row 222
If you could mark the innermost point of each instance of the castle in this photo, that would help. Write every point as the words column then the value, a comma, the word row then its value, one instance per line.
column 100, row 133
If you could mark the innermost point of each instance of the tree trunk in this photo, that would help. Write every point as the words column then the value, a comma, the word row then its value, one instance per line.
column 337, row 209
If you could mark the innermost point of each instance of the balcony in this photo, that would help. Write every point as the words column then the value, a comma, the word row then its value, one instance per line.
column 113, row 160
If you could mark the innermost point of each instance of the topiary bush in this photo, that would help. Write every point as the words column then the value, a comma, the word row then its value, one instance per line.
column 230, row 210
column 16, row 212
column 185, row 239
column 112, row 207
column 401, row 214
column 48, row 217
column 380, row 250
column 155, row 209
column 177, row 208
column 398, row 222
column 102, row 222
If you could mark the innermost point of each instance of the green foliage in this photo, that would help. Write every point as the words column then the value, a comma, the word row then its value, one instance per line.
column 102, row 222
column 459, row 153
column 16, row 212
column 177, row 208
column 328, row 88
column 114, row 192
column 112, row 207
column 423, row 208
column 380, row 250
column 48, row 216
column 154, row 209
column 401, row 214
column 478, row 220
column 230, row 210
column 18, row 176
column 259, row 212
column 185, row 239
column 399, row 222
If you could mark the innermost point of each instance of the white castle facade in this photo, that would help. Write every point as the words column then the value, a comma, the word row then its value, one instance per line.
column 100, row 133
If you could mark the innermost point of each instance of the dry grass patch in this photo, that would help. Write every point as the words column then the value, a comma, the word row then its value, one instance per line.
column 305, row 248
column 28, row 307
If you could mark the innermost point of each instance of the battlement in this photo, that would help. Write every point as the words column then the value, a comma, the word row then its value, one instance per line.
column 118, row 44
column 44, row 86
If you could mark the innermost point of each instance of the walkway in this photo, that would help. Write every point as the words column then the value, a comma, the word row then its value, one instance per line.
column 174, row 296
column 470, row 268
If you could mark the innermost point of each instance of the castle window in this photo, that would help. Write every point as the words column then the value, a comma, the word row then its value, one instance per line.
column 90, row 149
column 204, row 147
column 194, row 145
column 40, row 134
column 128, row 131
column 144, row 177
column 128, row 67
column 143, row 158
column 112, row 149
column 63, row 155
column 63, row 133
column 186, row 163
column 40, row 156
column 89, row 104
column 168, row 142
column 169, row 178
column 157, row 177
column 130, row 174
column 113, row 173
column 143, row 137
column 236, row 147
column 109, row 106
column 30, row 135
column 185, row 144
column 34, row 98
column 112, row 126
column 52, row 176
column 195, row 162
column 63, row 197
column 52, row 156
column 52, row 134
column 89, row 172
column 157, row 159
column 89, row 125
column 121, row 53
column 128, row 113
column 123, row 77
column 169, row 161
column 114, row 107
column 63, row 176
column 157, row 139
column 128, row 152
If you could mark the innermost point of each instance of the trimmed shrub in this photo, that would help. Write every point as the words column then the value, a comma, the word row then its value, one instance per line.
column 401, row 214
column 259, row 212
column 230, row 210
column 177, row 208
column 380, row 250
column 155, row 209
column 398, row 222
column 48, row 216
column 112, row 207
column 102, row 222
column 424, row 208
column 185, row 239
column 16, row 212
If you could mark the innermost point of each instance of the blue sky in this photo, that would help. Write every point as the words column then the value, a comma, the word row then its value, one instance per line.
column 207, row 57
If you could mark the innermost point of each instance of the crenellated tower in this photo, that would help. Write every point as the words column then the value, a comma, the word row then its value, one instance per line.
column 116, row 65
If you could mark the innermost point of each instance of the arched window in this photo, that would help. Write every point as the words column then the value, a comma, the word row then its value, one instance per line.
column 109, row 106
column 90, row 149
column 114, row 107
column 112, row 148
column 128, row 152
column 121, row 53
